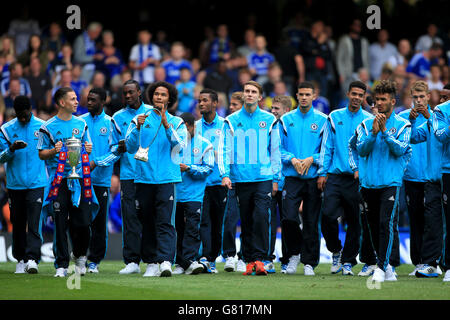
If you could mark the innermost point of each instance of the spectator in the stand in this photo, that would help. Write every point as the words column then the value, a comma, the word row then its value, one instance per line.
column 419, row 66
column 160, row 74
column 15, row 72
column 7, row 48
column 379, row 53
column 41, row 86
column 84, row 49
column 406, row 102
column 249, row 45
column 34, row 50
column 317, row 56
column 126, row 75
column 64, row 61
column 290, row 61
column 14, row 91
column 196, row 69
column 203, row 50
column 364, row 77
column 55, row 38
column 279, row 89
column 386, row 74
column 176, row 62
column 244, row 76
column 445, row 77
column 116, row 97
column 77, row 84
column 320, row 103
column 403, row 54
column 221, row 46
column 65, row 81
column 275, row 74
column 296, row 31
column 259, row 60
column 98, row 81
column 351, row 55
column 435, row 78
column 185, row 89
column 425, row 41
column 434, row 98
column 162, row 43
column 109, row 59
column 218, row 80
column 22, row 28
column 144, row 56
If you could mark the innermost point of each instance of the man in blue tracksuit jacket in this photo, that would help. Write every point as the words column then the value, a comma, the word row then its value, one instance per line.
column 415, row 174
column 441, row 127
column 215, row 200
column 431, row 231
column 100, row 128
column 196, row 165
column 384, row 150
column 71, row 203
column 249, row 156
column 26, row 179
column 165, row 137
column 131, row 224
column 419, row 198
column 340, row 184
column 301, row 138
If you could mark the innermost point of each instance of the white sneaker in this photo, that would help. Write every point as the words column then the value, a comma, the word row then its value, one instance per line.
column 347, row 269
column 293, row 264
column 31, row 267
column 178, row 269
column 165, row 269
column 378, row 275
column 367, row 270
column 152, row 270
column 80, row 265
column 415, row 269
column 427, row 271
column 438, row 270
column 194, row 268
column 308, row 270
column 60, row 273
column 92, row 267
column 390, row 274
column 336, row 265
column 446, row 276
column 241, row 266
column 230, row 264
column 132, row 267
column 20, row 267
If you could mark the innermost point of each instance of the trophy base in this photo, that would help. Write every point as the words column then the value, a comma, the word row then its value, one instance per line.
column 73, row 176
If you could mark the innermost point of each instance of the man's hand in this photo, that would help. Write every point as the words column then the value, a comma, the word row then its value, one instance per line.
column 58, row 147
column 356, row 175
column 92, row 165
column 17, row 145
column 305, row 165
column 321, row 181
column 140, row 120
column 381, row 118
column 122, row 147
column 423, row 110
column 274, row 188
column 297, row 165
column 413, row 114
column 164, row 117
column 226, row 182
column 88, row 147
column 375, row 127
column 184, row 167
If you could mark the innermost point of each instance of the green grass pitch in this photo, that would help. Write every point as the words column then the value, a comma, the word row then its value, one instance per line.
column 108, row 284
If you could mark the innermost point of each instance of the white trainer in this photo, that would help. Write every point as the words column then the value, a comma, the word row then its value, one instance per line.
column 438, row 270
column 178, row 269
column 347, row 269
column 20, row 267
column 60, row 273
column 427, row 271
column 241, row 266
column 390, row 274
column 336, row 264
column 165, row 269
column 132, row 267
column 293, row 264
column 80, row 265
column 378, row 275
column 367, row 270
column 194, row 268
column 230, row 264
column 308, row 270
column 152, row 270
column 419, row 266
column 31, row 267
column 92, row 267
column 446, row 276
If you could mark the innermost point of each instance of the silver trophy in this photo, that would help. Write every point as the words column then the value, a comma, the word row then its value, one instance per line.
column 73, row 155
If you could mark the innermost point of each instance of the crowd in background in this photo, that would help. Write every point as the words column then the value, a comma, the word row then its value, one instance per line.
column 36, row 61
